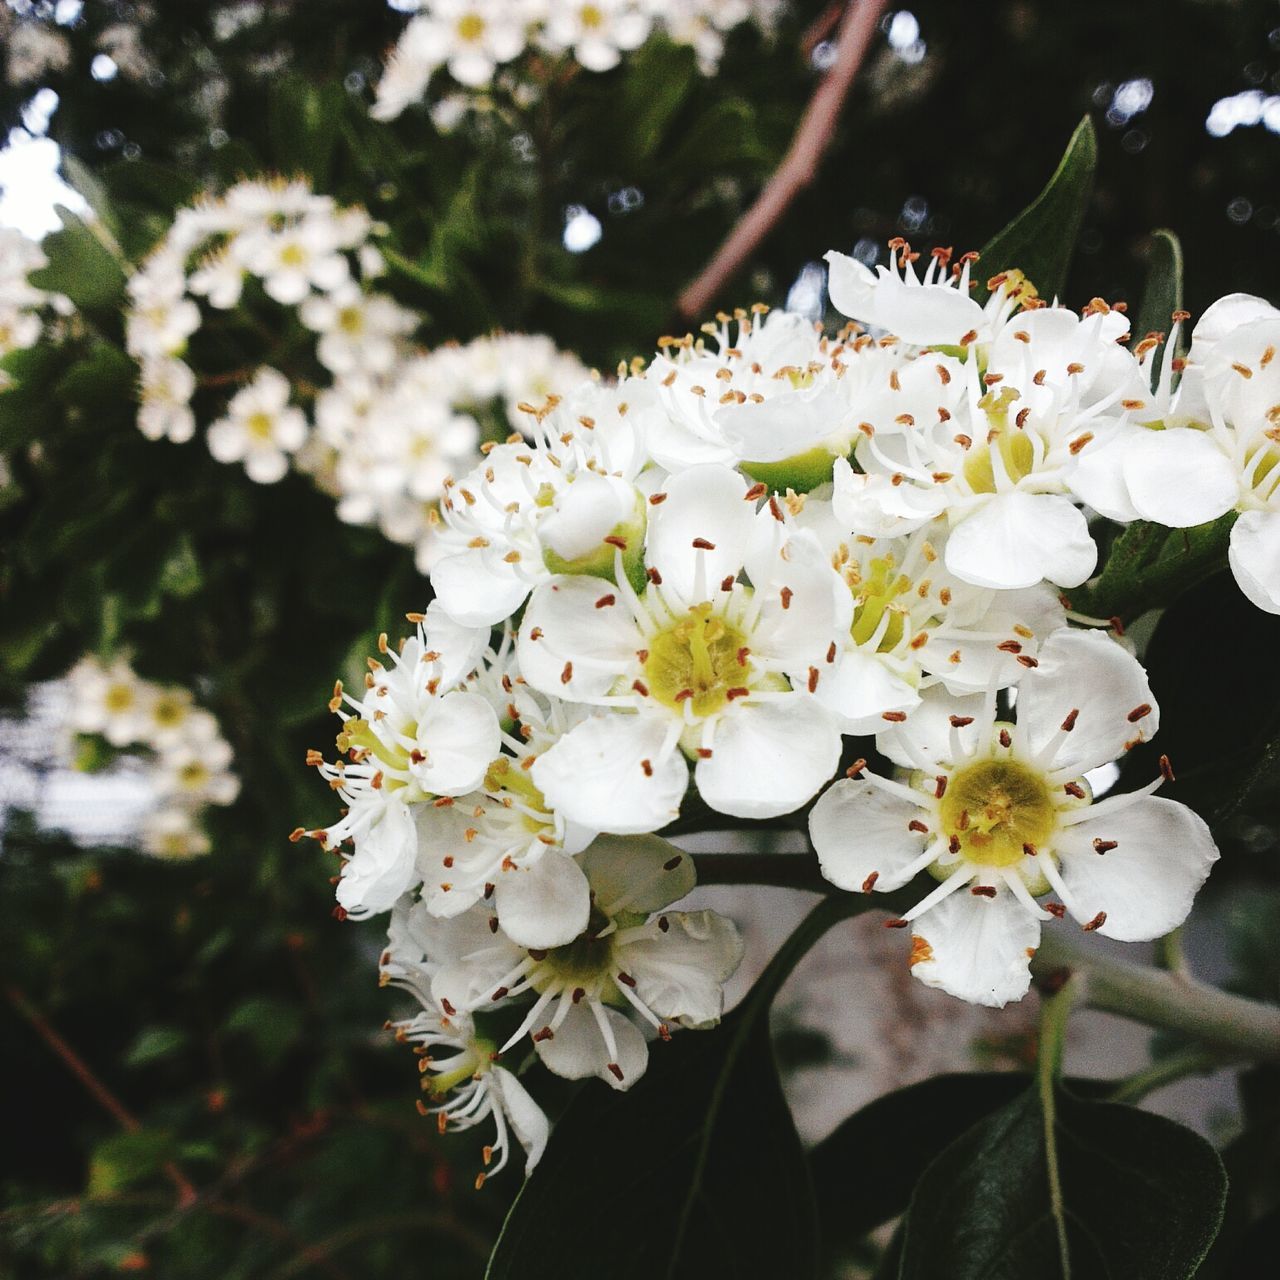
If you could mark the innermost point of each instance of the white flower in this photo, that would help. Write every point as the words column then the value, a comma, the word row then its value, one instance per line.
column 110, row 700
column 1003, row 811
column 470, row 37
column 415, row 737
column 668, row 969
column 173, row 834
column 914, row 625
column 1002, row 466
column 198, row 773
column 1227, row 455
column 298, row 257
column 261, row 428
column 359, row 331
column 160, row 318
column 699, row 661
column 527, row 512
column 598, row 31
column 460, row 1068
column 929, row 310
column 167, row 386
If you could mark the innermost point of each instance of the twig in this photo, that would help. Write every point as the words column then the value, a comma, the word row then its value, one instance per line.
column 820, row 28
column 799, row 166
column 74, row 1063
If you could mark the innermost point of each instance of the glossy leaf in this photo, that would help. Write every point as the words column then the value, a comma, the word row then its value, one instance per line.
column 1042, row 238
column 1161, row 294
column 82, row 265
column 1133, row 1197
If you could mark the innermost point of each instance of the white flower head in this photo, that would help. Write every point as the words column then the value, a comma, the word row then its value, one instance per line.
column 1001, row 814
column 698, row 663
column 598, row 31
column 174, row 834
column 261, row 428
column 634, row 965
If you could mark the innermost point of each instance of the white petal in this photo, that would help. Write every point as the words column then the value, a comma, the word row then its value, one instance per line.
column 806, row 604
column 769, row 758
column 528, row 1120
column 475, row 593
column 1097, row 478
column 459, row 736
column 1254, row 556
column 1146, row 884
column 1179, row 477
column 638, row 873
column 874, row 506
column 703, row 505
column 1091, row 674
column 545, row 904
column 596, row 775
column 861, row 688
column 578, row 1050
column 461, row 647
column 924, row 740
column 860, row 831
column 679, row 971
column 784, row 425
column 585, row 513
column 977, row 948
column 1017, row 539
column 571, row 645
column 383, row 865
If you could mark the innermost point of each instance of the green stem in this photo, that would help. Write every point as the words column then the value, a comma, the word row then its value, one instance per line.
column 1177, row 1066
column 1053, row 1038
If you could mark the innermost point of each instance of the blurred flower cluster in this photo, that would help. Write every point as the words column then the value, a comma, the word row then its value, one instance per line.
column 112, row 710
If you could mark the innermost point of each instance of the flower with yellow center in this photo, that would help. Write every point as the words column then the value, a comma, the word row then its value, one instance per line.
column 1001, row 813
column 699, row 665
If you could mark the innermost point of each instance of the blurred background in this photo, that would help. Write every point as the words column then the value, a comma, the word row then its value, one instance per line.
column 207, row 1016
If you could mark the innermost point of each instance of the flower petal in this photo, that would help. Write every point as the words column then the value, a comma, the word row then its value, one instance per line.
column 459, row 735
column 544, row 904
column 679, row 971
column 924, row 740
column 977, row 948
column 578, row 1050
column 1179, row 477
column 698, row 534
column 769, row 758
column 1092, row 675
column 528, row 1120
column 863, row 834
column 1254, row 555
column 474, row 592
column 383, row 865
column 1017, row 539
column 1146, row 882
column 611, row 773
column 861, row 688
column 638, row 873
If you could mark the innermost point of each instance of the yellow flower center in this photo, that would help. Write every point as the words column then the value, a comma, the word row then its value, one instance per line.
column 193, row 775
column 1016, row 451
column 259, row 425
column 701, row 660
column 293, row 255
column 119, row 697
column 169, row 711
column 875, row 596
column 470, row 27
column 996, row 810
column 591, row 16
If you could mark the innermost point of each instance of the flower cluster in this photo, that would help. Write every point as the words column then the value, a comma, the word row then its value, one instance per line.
column 21, row 323
column 188, row 759
column 474, row 39
column 391, row 423
column 704, row 579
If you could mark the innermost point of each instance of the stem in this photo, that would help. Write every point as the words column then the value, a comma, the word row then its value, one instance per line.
column 1161, row 999
column 1174, row 1001
column 1177, row 1066
column 1053, row 1038
column 100, row 1093
column 799, row 166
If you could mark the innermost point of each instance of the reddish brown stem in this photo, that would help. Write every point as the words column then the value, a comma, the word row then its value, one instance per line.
column 799, row 166
column 100, row 1093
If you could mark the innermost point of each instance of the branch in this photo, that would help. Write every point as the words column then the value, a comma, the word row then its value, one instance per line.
column 799, row 166
column 1171, row 1000
column 101, row 1094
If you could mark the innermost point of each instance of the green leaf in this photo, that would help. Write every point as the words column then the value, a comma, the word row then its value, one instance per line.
column 303, row 119
column 1041, row 239
column 82, row 264
column 272, row 1025
column 125, row 1159
column 154, row 1043
column 1162, row 293
column 1136, row 1196
column 696, row 1171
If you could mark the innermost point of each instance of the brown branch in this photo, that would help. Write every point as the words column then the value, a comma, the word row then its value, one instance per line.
column 100, row 1093
column 799, row 166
